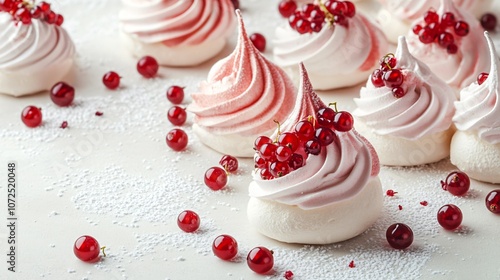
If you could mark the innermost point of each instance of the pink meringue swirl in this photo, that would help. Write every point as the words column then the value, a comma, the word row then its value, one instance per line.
column 244, row 93
column 34, row 47
column 426, row 108
column 479, row 106
column 460, row 69
column 339, row 172
column 177, row 23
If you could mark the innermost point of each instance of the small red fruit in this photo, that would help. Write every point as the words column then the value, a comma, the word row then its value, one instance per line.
column 287, row 7
column 188, row 221
column 259, row 41
column 175, row 94
column 461, row 28
column 260, row 260
column 449, row 216
column 177, row 115
column 393, row 78
column 62, row 94
column 31, row 116
column 489, row 22
column 86, row 248
column 177, row 139
column 229, row 163
column 343, row 121
column 390, row 192
column 225, row 247
column 431, row 17
column 457, row 183
column 147, row 66
column 399, row 236
column 111, row 80
column 215, row 178
column 482, row 77
column 493, row 201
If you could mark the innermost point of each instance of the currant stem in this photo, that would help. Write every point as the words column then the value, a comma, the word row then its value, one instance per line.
column 386, row 63
column 329, row 17
column 334, row 104
column 102, row 249
column 279, row 130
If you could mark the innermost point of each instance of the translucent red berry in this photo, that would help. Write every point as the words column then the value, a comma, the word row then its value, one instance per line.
column 390, row 192
column 260, row 260
column 261, row 140
column 350, row 9
column 416, row 29
column 305, row 130
column 111, row 80
column 295, row 162
column 461, row 28
column 452, row 49
column 259, row 162
column 398, row 92
column 489, row 22
column 177, row 115
column 215, row 178
column 265, row 174
column 325, row 117
column 399, row 236
column 303, row 26
column 287, row 7
column 289, row 139
column 457, row 183
column 279, row 169
column 313, row 147
column 62, row 94
column 448, row 19
column 283, row 153
column 225, row 247
column 268, row 151
column 493, row 201
column 147, row 66
column 393, row 78
column 426, row 35
column 325, row 136
column 482, row 77
column 343, row 121
column 449, row 216
column 23, row 15
column 59, row 20
column 229, row 163
column 377, row 79
column 188, row 221
column 431, row 17
column 86, row 248
column 175, row 94
column 288, row 275
column 445, row 39
column 177, row 139
column 31, row 116
column 259, row 41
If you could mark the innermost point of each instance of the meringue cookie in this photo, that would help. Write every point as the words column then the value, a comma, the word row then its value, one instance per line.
column 177, row 33
column 414, row 129
column 396, row 16
column 460, row 69
column 475, row 147
column 335, row 196
column 336, row 56
column 33, row 57
column 243, row 95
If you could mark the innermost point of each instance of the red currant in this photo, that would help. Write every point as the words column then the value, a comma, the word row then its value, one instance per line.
column 265, row 174
column 493, row 201
column 461, row 28
column 147, row 66
column 225, row 247
column 86, row 248
column 313, row 147
column 177, row 115
column 448, row 19
column 259, row 41
column 259, row 161
column 445, row 39
column 449, row 216
column 390, row 192
column 325, row 117
column 236, row 4
column 62, row 94
column 175, row 94
column 59, row 20
column 398, row 92
column 377, row 79
column 64, row 125
column 215, row 178
column 399, row 236
column 111, row 80
column 452, row 49
column 261, row 140
column 416, row 29
column 287, row 8
column 260, row 260
column 268, row 151
column 426, row 35
column 288, row 275
column 229, row 163
column 431, row 17
column 481, row 78
column 177, row 139
column 279, row 169
column 188, row 221
column 283, row 153
column 393, row 78
column 290, row 140
column 31, row 116
column 51, row 17
column 23, row 15
column 303, row 26
column 343, row 121
column 350, row 9
column 295, row 162
column 305, row 130
column 325, row 136
column 457, row 183
column 489, row 22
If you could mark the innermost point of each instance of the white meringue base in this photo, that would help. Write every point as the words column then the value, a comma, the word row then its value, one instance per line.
column 230, row 144
column 396, row 151
column 392, row 26
column 174, row 56
column 24, row 83
column 332, row 81
column 329, row 224
column 476, row 157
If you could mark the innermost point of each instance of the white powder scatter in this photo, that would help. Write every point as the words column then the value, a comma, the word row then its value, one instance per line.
column 70, row 270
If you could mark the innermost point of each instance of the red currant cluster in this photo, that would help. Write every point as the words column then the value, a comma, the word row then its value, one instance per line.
column 440, row 30
column 24, row 11
column 291, row 149
column 311, row 17
column 388, row 75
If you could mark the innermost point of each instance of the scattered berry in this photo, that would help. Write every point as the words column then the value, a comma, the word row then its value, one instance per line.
column 64, row 124
column 457, row 183
column 493, row 201
column 260, row 260
column 99, row 113
column 215, row 178
column 259, row 41
column 225, row 247
column 288, row 275
column 229, row 163
column 400, row 207
column 175, row 94
column 481, row 78
column 449, row 216
column 177, row 139
column 177, row 115
column 343, row 121
column 489, row 22
column 147, row 66
column 111, row 80
column 87, row 248
column 461, row 28
column 188, row 221
column 399, row 236
column 424, row 203
column 62, row 94
column 390, row 193
column 31, row 116
column 351, row 264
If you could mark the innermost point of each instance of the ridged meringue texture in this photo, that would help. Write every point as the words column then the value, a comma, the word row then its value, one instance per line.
column 460, row 69
column 240, row 100
column 177, row 33
column 414, row 129
column 475, row 147
column 396, row 16
column 335, row 196
column 335, row 57
column 33, row 57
